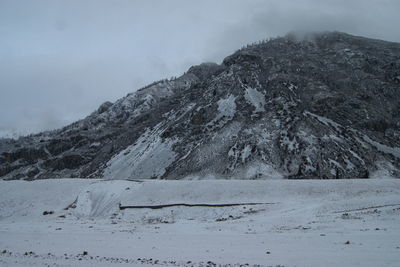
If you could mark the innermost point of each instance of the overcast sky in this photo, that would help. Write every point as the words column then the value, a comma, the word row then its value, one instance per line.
column 59, row 60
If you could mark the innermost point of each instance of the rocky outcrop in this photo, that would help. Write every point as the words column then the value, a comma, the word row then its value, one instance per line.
column 322, row 106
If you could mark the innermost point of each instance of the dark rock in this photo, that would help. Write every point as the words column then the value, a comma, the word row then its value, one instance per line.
column 104, row 107
column 70, row 161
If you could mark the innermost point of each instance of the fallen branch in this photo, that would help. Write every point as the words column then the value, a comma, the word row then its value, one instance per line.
column 190, row 205
column 368, row 208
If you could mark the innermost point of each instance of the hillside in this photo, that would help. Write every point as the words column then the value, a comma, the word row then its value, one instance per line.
column 326, row 105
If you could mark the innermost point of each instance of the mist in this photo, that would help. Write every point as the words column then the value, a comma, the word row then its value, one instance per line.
column 59, row 60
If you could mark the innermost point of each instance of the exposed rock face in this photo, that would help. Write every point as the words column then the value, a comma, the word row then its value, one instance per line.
column 326, row 106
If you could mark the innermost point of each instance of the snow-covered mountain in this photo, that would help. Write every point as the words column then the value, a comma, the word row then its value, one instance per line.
column 326, row 105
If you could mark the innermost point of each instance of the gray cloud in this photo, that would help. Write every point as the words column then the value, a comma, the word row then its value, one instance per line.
column 59, row 60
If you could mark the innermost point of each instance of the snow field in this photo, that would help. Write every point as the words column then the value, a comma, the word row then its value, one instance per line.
column 298, row 223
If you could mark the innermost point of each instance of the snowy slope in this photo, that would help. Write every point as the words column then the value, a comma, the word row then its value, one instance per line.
column 295, row 223
column 148, row 157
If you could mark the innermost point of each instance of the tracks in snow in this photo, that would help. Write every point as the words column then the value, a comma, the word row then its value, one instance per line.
column 368, row 208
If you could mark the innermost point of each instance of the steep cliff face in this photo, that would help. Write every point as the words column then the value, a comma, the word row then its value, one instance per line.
column 324, row 106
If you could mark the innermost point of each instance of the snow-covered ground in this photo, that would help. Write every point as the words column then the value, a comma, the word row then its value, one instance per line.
column 274, row 222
